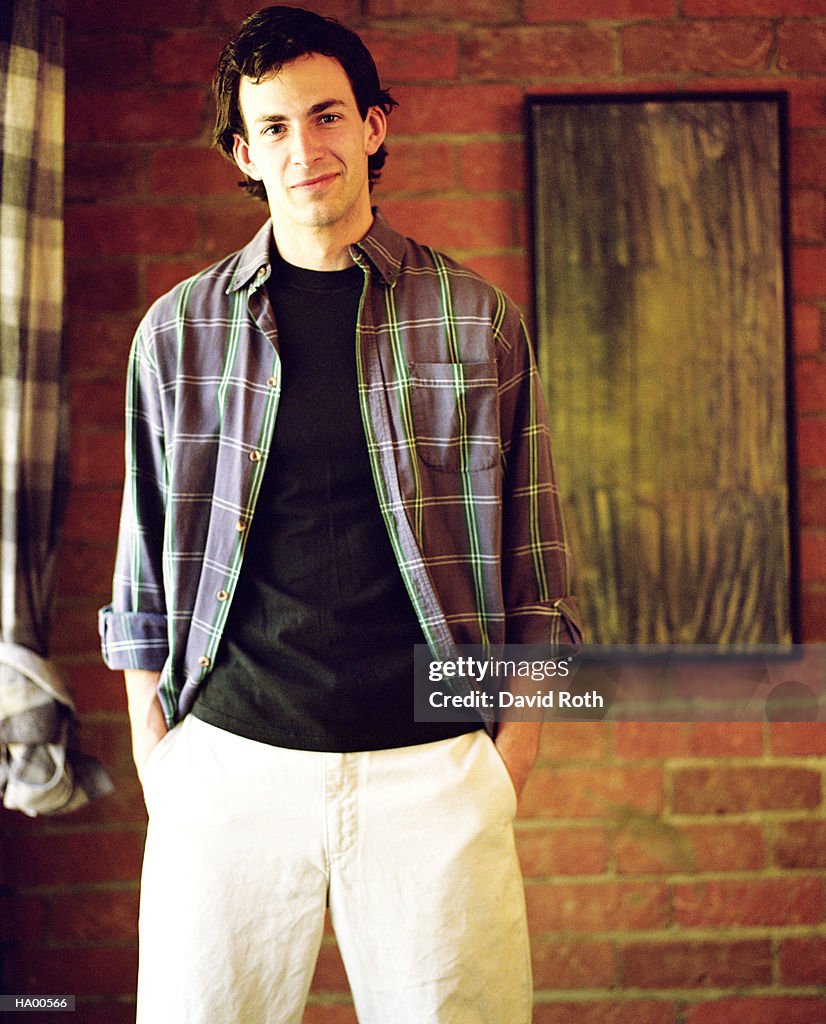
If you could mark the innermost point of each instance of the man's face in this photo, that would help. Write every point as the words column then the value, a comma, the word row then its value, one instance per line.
column 307, row 143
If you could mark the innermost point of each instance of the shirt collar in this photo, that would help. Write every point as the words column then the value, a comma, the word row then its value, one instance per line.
column 382, row 246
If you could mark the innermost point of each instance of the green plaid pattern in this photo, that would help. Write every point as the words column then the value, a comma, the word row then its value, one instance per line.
column 41, row 772
column 33, row 434
column 455, row 429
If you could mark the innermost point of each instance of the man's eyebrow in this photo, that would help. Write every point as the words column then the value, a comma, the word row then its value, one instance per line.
column 316, row 108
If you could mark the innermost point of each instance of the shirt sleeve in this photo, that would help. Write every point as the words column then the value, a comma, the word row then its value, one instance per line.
column 133, row 628
column 536, row 565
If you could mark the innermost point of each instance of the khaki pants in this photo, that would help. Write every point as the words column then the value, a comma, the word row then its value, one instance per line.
column 413, row 848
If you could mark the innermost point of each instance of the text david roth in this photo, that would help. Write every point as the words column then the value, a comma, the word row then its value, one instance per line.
column 550, row 699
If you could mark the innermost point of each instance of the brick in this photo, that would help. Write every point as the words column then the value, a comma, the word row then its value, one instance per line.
column 22, row 919
column 492, row 167
column 573, row 741
column 813, row 616
column 98, row 346
column 572, row 792
column 114, row 60
column 805, row 739
column 808, row 215
column 136, row 115
column 803, row 961
column 74, row 627
column 811, row 447
column 807, row 103
column 92, row 515
column 751, row 8
column 84, row 857
column 809, row 271
column 162, row 275
column 109, row 970
column 232, row 12
column 97, row 403
column 604, row 1012
column 813, row 556
column 186, row 58
column 418, row 167
column 522, row 53
column 563, row 851
column 802, row 44
column 413, row 56
column 464, row 109
column 508, row 271
column 123, row 807
column 192, row 172
column 704, row 46
column 329, row 1013
column 655, row 846
column 808, row 160
column 104, row 172
column 95, row 687
column 729, row 903
column 132, row 14
column 759, row 1010
column 100, row 288
column 725, row 790
column 110, row 742
column 229, row 226
column 456, row 223
column 329, row 974
column 701, row 964
column 687, row 739
column 594, row 10
column 95, row 916
column 464, row 10
column 807, row 332
column 596, row 906
column 811, row 501
column 800, row 844
column 572, row 965
column 115, row 230
column 85, row 570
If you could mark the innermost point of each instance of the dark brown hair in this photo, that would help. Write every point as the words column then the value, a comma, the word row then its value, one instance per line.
column 273, row 37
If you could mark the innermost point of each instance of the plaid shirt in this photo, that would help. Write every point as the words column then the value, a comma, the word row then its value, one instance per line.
column 455, row 429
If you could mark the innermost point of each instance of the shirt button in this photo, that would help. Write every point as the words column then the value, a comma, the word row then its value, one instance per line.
column 222, row 595
column 272, row 382
column 204, row 661
column 255, row 455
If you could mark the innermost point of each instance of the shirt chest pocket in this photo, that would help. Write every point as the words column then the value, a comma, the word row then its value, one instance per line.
column 455, row 409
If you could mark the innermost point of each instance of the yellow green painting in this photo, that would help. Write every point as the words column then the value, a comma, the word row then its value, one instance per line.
column 661, row 338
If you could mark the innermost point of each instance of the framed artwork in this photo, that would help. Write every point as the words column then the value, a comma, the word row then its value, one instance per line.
column 659, row 229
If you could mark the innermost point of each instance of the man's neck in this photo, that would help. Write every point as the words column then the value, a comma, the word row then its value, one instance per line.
column 320, row 248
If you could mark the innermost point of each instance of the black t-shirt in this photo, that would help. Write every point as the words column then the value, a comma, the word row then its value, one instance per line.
column 317, row 653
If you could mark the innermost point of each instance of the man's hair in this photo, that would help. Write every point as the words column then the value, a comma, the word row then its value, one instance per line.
column 273, row 37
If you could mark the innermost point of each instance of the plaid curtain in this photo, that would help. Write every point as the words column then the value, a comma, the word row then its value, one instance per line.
column 39, row 771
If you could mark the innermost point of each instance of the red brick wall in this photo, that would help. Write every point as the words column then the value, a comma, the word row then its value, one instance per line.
column 674, row 874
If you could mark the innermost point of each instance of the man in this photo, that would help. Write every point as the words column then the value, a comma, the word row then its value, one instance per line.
column 335, row 451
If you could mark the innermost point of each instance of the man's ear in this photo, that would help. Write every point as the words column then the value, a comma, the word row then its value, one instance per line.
column 375, row 130
column 241, row 154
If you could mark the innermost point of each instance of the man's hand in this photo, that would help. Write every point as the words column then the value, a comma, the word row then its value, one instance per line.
column 146, row 715
column 518, row 746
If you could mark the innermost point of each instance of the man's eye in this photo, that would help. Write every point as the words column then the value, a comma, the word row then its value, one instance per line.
column 329, row 118
column 274, row 129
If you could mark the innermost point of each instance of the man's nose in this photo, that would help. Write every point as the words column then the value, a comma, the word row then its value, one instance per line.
column 305, row 146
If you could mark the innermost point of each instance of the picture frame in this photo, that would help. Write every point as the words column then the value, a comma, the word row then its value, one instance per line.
column 659, row 233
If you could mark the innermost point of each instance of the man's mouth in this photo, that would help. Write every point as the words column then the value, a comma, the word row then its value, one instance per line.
column 320, row 181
